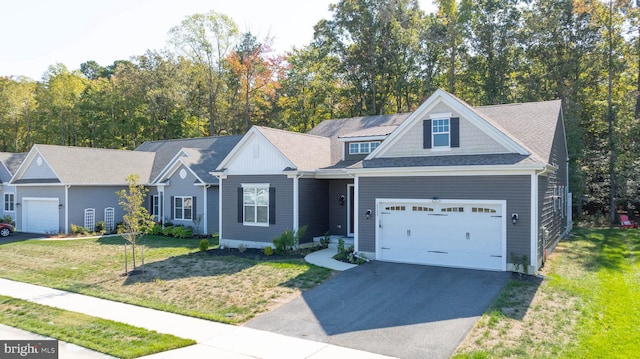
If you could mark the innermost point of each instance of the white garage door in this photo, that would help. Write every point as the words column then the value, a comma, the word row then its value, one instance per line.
column 40, row 215
column 453, row 234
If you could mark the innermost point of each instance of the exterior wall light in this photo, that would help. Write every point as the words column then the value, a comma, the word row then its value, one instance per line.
column 514, row 218
column 368, row 214
column 341, row 200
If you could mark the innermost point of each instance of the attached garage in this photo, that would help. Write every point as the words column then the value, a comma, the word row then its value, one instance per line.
column 40, row 215
column 451, row 233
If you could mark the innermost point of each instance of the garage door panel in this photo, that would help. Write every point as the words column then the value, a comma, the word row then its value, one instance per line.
column 448, row 234
column 40, row 215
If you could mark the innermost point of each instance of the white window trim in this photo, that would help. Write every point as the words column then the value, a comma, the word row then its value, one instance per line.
column 182, row 208
column 13, row 202
column 434, row 147
column 255, row 186
column 155, row 205
column 362, row 152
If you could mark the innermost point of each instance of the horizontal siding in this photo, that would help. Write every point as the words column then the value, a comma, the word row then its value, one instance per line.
column 515, row 190
column 41, row 192
column 38, row 172
column 98, row 198
column 233, row 230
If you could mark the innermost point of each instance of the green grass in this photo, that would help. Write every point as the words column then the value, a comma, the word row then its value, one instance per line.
column 177, row 276
column 587, row 307
column 105, row 336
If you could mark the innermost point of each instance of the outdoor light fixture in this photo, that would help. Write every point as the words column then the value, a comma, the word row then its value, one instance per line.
column 341, row 200
column 60, row 205
column 514, row 218
column 368, row 214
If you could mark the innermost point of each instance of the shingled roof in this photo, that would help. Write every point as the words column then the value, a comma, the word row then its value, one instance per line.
column 11, row 162
column 214, row 148
column 93, row 166
column 307, row 152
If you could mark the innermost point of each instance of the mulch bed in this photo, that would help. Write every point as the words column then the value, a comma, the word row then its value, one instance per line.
column 251, row 253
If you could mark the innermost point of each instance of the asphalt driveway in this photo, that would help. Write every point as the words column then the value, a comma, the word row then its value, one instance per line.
column 399, row 310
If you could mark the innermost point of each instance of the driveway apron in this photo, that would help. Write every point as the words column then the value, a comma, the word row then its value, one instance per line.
column 400, row 310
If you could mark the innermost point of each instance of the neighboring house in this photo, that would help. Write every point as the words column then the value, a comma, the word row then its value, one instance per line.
column 182, row 191
column 10, row 164
column 449, row 184
column 56, row 186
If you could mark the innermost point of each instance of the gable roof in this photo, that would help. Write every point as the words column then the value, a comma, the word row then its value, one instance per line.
column 347, row 127
column 533, row 124
column 217, row 146
column 306, row 152
column 88, row 166
column 11, row 162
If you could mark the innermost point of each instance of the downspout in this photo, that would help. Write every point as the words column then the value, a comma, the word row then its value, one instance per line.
column 205, row 213
column 534, row 217
column 66, row 209
column 296, row 203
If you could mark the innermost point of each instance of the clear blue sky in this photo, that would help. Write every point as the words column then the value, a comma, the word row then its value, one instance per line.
column 35, row 34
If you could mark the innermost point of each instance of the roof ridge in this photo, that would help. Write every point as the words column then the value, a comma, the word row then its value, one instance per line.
column 290, row 132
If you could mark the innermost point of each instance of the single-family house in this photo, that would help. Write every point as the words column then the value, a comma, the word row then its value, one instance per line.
column 448, row 184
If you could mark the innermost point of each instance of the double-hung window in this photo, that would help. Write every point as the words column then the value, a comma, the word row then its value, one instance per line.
column 362, row 147
column 440, row 133
column 183, row 207
column 9, row 202
column 256, row 204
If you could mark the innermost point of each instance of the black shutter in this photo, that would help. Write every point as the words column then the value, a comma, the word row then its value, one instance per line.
column 240, row 205
column 193, row 207
column 455, row 132
column 426, row 134
column 172, row 208
column 272, row 205
column 150, row 204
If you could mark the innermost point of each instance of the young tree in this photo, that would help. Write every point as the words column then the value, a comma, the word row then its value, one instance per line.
column 136, row 220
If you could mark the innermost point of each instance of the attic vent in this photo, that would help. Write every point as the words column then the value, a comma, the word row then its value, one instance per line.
column 183, row 173
column 256, row 151
column 39, row 161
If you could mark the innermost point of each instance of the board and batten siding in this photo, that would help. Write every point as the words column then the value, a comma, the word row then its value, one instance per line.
column 237, row 231
column 313, row 207
column 515, row 190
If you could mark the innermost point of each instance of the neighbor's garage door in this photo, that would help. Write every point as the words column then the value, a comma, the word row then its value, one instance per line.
column 457, row 234
column 40, row 215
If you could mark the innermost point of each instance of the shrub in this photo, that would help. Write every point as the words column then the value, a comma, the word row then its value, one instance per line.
column 242, row 248
column 157, row 229
column 167, row 230
column 268, row 251
column 289, row 240
column 75, row 229
column 324, row 241
column 7, row 219
column 101, row 227
column 204, row 245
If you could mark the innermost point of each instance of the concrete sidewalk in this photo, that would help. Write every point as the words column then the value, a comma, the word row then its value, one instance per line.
column 213, row 339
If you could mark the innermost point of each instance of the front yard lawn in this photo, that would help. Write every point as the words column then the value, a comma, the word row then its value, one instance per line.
column 177, row 277
column 105, row 336
column 588, row 305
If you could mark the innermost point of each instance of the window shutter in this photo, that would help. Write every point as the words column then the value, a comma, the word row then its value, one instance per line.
column 150, row 204
column 240, row 205
column 193, row 207
column 272, row 205
column 455, row 132
column 172, row 208
column 426, row 134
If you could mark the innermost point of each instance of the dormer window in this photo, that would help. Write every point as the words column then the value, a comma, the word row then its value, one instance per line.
column 357, row 148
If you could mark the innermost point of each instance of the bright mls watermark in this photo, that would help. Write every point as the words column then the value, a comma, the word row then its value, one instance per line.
column 31, row 349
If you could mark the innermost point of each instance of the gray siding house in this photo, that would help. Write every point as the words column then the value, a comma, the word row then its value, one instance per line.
column 57, row 186
column 10, row 162
column 448, row 184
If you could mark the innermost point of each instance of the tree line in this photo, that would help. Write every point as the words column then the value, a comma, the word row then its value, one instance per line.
column 371, row 57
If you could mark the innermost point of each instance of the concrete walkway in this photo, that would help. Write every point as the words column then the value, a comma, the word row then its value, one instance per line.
column 324, row 258
column 214, row 340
